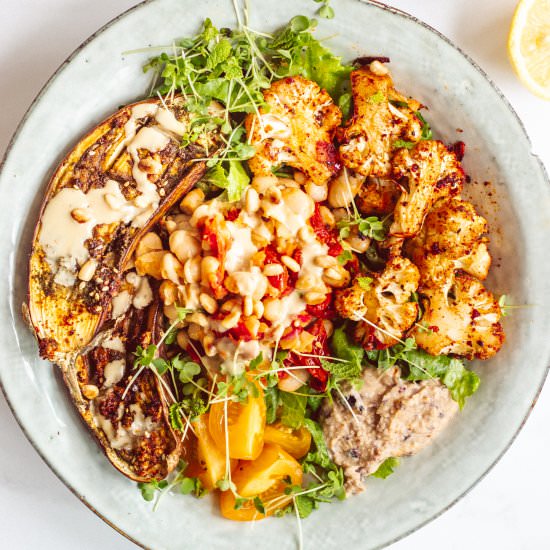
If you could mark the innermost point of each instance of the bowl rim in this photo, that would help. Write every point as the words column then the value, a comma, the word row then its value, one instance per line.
column 377, row 4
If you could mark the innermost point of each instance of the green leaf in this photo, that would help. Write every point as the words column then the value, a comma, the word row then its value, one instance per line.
column 240, row 502
column 304, row 504
column 148, row 490
column 256, row 361
column 344, row 348
column 293, row 409
column 401, row 143
column 344, row 257
column 462, row 383
column 345, row 103
column 321, row 456
column 386, row 468
column 326, row 11
column 220, row 52
column 378, row 97
column 365, row 282
column 259, row 505
column 271, row 397
column 399, row 104
column 187, row 485
column 426, row 130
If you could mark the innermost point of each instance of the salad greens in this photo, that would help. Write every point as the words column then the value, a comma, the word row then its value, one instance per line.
column 233, row 67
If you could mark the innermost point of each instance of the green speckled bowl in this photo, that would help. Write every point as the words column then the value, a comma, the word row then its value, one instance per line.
column 96, row 80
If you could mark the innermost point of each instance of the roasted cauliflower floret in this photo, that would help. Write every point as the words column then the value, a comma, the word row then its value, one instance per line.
column 383, row 306
column 428, row 172
column 381, row 115
column 451, row 238
column 377, row 197
column 297, row 130
column 463, row 320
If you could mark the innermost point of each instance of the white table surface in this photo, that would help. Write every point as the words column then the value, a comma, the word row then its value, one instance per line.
column 508, row 510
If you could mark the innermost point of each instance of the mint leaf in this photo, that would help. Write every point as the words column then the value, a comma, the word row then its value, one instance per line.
column 344, row 348
column 403, row 144
column 293, row 409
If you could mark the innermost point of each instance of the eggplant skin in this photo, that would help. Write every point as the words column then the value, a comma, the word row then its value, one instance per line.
column 134, row 156
column 65, row 317
column 134, row 432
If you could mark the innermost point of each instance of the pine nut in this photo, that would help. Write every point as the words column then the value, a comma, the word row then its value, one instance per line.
column 253, row 325
column 291, row 263
column 192, row 270
column 272, row 309
column 198, row 318
column 248, row 306
column 327, row 215
column 170, row 225
column 209, row 267
column 252, row 200
column 305, row 234
column 274, row 195
column 90, row 391
column 171, row 269
column 208, row 344
column 87, row 270
column 80, row 215
column 318, row 193
column 333, row 273
column 184, row 245
column 208, row 303
column 232, row 320
column 182, row 339
column 314, row 298
column 191, row 201
column 306, row 282
column 271, row 270
column 168, row 292
column 149, row 242
column 259, row 309
column 195, row 332
column 325, row 261
column 336, row 276
column 230, row 305
column 377, row 68
column 263, row 183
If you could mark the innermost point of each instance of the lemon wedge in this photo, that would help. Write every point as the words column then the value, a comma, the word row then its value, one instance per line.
column 529, row 45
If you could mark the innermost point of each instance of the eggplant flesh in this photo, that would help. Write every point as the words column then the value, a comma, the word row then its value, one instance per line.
column 112, row 187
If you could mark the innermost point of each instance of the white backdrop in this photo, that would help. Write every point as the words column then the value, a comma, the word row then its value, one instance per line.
column 508, row 510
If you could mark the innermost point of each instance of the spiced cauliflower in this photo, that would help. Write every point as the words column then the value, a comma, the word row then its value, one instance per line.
column 451, row 238
column 383, row 306
column 427, row 173
column 381, row 115
column 296, row 130
column 463, row 320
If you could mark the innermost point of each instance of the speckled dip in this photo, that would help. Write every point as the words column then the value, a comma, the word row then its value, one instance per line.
column 96, row 79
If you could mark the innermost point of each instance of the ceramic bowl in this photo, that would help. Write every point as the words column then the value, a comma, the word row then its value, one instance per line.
column 96, row 79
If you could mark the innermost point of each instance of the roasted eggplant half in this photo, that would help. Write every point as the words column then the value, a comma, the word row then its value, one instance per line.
column 86, row 305
column 113, row 186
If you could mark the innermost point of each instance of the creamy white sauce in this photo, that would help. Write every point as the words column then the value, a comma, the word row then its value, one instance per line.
column 285, row 216
column 120, row 304
column 249, row 281
column 114, row 343
column 241, row 249
column 144, row 294
column 63, row 238
column 113, row 372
